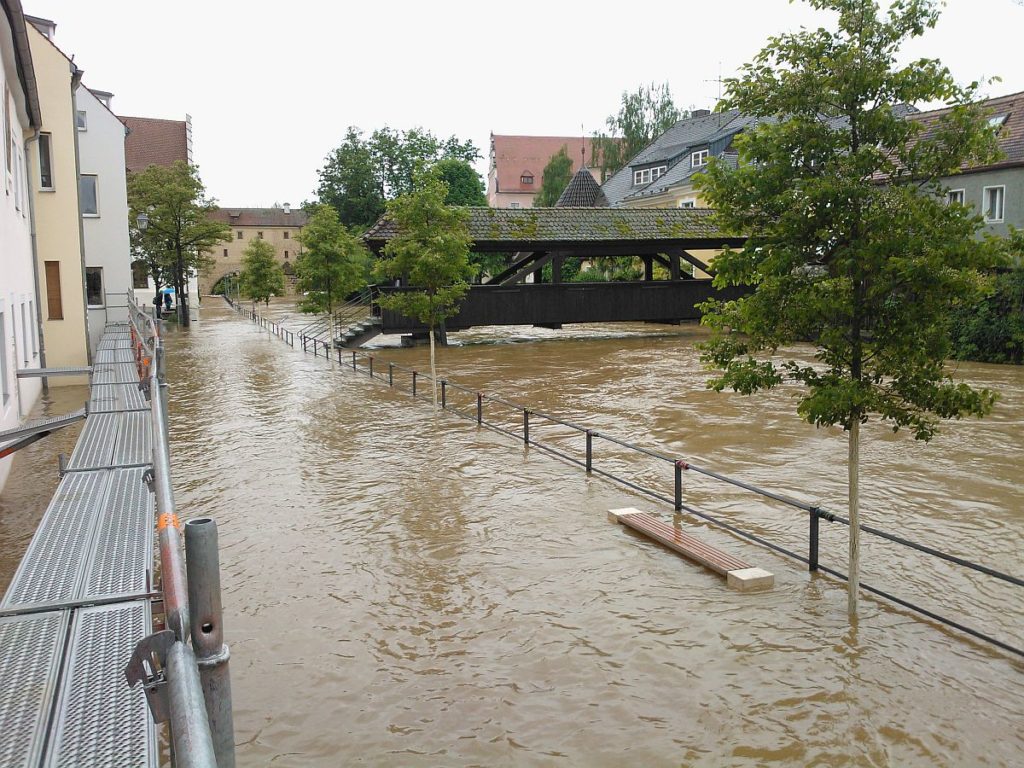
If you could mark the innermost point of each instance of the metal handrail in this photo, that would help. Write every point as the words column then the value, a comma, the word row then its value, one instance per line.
column 190, row 726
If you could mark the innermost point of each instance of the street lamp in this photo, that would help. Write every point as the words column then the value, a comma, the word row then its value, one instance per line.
column 143, row 221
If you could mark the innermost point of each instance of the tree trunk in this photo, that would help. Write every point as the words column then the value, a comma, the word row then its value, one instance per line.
column 853, row 470
column 433, row 367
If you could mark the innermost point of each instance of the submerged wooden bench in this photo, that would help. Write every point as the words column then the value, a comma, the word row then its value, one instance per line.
column 738, row 574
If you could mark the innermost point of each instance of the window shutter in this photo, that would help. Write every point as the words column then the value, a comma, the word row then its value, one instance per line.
column 54, row 304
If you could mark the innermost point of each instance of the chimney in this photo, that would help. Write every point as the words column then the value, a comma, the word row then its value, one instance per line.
column 700, row 113
column 287, row 207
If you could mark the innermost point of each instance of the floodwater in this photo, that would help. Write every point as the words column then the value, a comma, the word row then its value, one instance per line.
column 403, row 588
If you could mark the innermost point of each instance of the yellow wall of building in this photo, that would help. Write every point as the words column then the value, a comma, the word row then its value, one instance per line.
column 58, row 232
column 227, row 257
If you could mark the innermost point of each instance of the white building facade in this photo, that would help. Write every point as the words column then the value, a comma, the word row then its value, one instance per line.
column 19, row 327
column 103, row 199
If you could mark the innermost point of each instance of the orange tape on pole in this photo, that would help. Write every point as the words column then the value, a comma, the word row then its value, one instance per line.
column 166, row 519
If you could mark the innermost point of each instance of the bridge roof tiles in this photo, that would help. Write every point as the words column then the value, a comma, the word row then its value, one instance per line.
column 496, row 226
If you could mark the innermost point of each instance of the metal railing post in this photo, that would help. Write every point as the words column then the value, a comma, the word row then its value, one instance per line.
column 479, row 408
column 203, row 564
column 303, row 343
column 190, row 730
column 371, row 366
column 444, row 395
column 339, row 355
column 391, row 374
column 526, row 427
column 812, row 544
column 353, row 360
column 414, row 383
column 679, row 467
column 590, row 450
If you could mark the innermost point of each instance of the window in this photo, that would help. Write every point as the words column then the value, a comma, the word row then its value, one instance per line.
column 239, row 235
column 286, row 234
column 24, row 335
column 88, row 198
column 286, row 254
column 140, row 274
column 513, row 205
column 45, row 163
column 955, row 196
column 689, row 203
column 225, row 253
column 3, row 359
column 992, row 202
column 996, row 121
column 647, row 175
column 699, row 158
column 94, row 286
column 526, row 178
column 32, row 322
column 259, row 235
column 81, row 120
column 54, row 305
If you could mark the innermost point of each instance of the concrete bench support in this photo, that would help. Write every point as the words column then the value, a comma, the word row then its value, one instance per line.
column 739, row 575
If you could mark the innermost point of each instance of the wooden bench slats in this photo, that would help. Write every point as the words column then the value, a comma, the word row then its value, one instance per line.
column 684, row 543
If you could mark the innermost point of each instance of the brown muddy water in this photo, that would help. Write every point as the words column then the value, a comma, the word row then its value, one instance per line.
column 406, row 589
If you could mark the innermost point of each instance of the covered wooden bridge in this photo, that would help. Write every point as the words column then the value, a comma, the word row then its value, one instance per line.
column 538, row 237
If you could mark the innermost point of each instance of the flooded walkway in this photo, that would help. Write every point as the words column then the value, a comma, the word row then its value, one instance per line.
column 405, row 589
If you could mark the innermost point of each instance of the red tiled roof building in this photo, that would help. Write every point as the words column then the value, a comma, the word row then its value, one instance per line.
column 517, row 166
column 152, row 141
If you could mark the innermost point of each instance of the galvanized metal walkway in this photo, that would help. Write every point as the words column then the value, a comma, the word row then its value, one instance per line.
column 80, row 600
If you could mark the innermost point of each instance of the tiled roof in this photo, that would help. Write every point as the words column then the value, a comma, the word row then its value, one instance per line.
column 260, row 217
column 672, row 148
column 516, row 156
column 582, row 191
column 1011, row 133
column 154, row 142
column 538, row 225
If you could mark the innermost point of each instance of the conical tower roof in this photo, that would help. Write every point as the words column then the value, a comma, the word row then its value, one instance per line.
column 583, row 191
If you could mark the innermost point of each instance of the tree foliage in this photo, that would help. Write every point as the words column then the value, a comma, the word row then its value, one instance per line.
column 262, row 277
column 992, row 330
column 180, row 232
column 643, row 116
column 334, row 263
column 865, row 271
column 556, row 177
column 363, row 173
column 465, row 187
column 349, row 183
column 430, row 253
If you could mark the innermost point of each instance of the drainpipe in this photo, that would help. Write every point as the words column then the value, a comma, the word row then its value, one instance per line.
column 41, row 340
column 76, row 79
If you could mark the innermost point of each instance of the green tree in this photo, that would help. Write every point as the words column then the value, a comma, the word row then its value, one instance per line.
column 431, row 253
column 361, row 174
column 992, row 330
column 556, row 177
column 465, row 187
column 178, row 231
column 866, row 272
column 262, row 277
column 333, row 263
column 348, row 182
column 642, row 117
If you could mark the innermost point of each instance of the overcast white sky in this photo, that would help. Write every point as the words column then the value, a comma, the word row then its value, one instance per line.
column 271, row 86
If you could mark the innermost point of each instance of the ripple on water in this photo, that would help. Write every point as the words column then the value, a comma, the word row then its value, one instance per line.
column 403, row 589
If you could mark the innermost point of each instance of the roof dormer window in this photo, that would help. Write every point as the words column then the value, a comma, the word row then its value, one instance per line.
column 699, row 158
column 996, row 121
column 647, row 175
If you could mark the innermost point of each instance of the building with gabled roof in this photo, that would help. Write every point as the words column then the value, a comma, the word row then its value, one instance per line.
column 996, row 189
column 279, row 225
column 517, row 165
column 152, row 141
